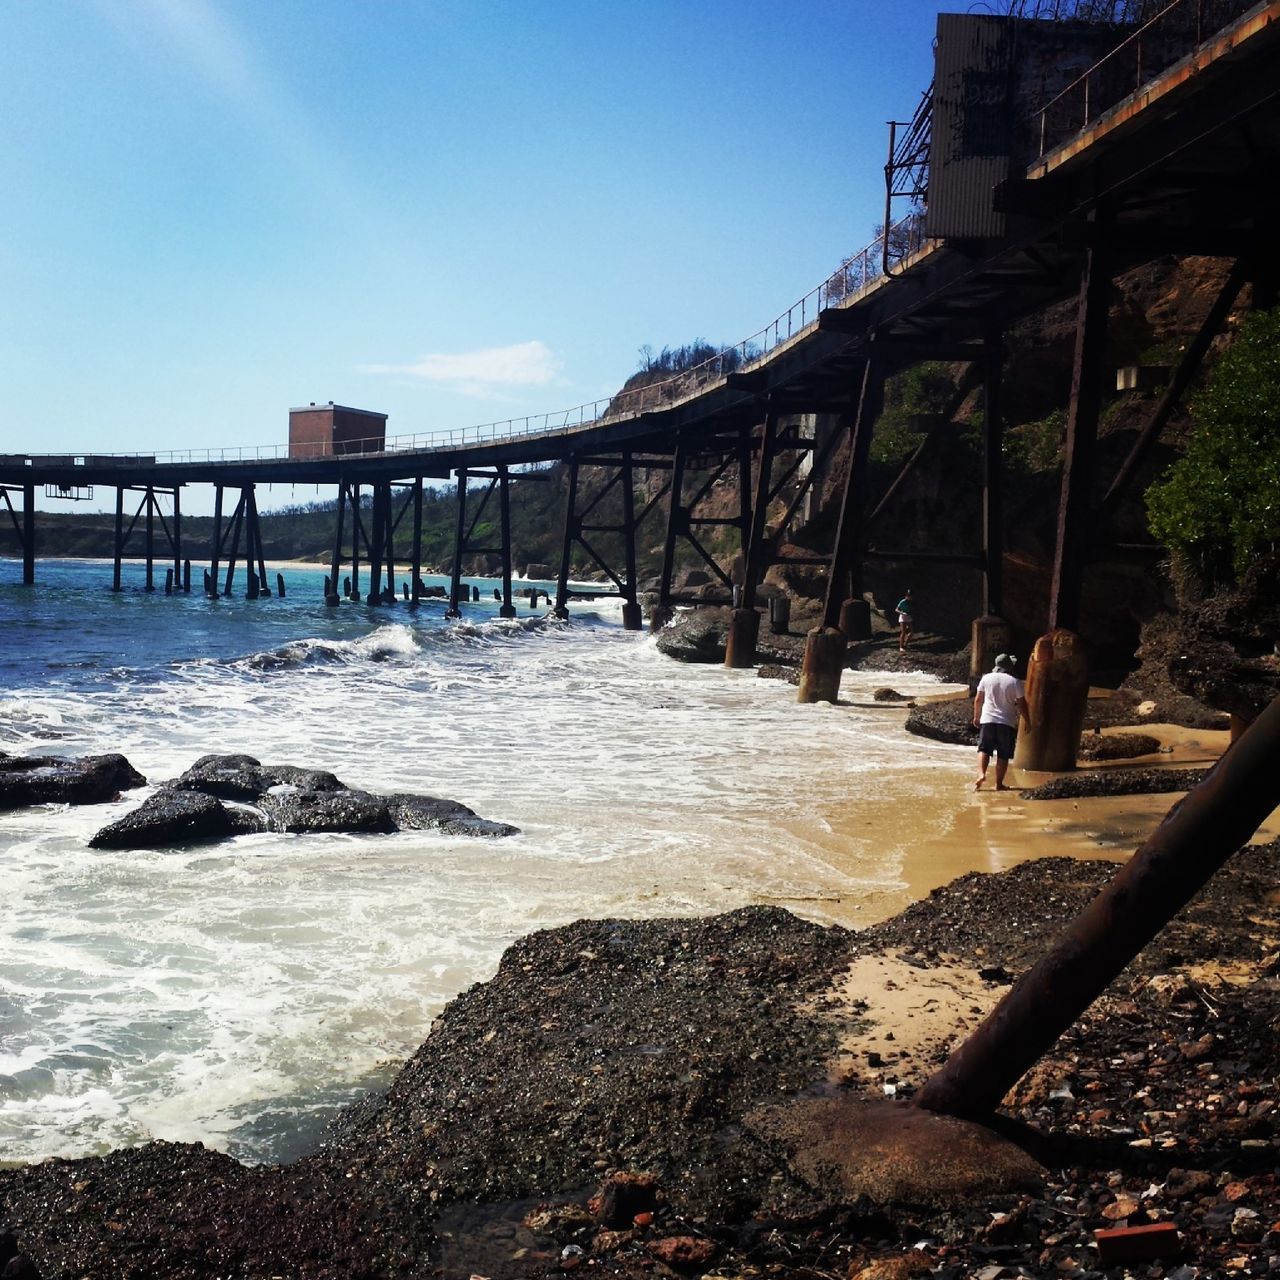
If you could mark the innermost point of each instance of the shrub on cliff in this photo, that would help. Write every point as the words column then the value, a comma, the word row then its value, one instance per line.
column 1219, row 505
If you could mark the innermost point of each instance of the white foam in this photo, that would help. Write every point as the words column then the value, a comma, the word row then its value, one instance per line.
column 213, row 984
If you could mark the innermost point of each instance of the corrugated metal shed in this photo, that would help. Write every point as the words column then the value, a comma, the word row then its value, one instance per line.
column 972, row 125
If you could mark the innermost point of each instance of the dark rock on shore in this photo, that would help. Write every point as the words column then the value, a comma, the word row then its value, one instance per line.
column 1116, row 746
column 592, row 1106
column 947, row 720
column 28, row 780
column 242, row 777
column 223, row 796
column 696, row 636
column 174, row 818
column 1116, row 782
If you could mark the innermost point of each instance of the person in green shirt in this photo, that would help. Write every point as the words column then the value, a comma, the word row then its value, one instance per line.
column 904, row 621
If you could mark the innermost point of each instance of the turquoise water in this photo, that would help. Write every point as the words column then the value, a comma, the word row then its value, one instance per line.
column 236, row 994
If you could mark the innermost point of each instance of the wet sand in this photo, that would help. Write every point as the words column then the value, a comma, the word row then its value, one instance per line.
column 956, row 830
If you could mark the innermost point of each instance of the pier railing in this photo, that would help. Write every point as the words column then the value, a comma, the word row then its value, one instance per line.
column 855, row 275
column 1177, row 30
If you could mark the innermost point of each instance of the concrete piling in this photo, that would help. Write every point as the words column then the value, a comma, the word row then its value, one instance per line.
column 1057, row 691
column 780, row 615
column 824, row 655
column 740, row 647
column 855, row 620
column 632, row 616
column 990, row 636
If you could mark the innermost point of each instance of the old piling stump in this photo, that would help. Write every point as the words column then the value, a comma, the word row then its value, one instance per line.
column 824, row 655
column 740, row 645
column 990, row 636
column 780, row 615
column 1057, row 691
column 855, row 619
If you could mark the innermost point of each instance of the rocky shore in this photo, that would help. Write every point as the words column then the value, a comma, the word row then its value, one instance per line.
column 608, row 1102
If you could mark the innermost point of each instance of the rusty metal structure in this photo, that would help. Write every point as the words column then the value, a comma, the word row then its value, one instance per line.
column 1062, row 142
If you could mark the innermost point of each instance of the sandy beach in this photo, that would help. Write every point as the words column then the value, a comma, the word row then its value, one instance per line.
column 957, row 830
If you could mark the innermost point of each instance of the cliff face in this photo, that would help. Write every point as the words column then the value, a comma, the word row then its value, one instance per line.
column 1155, row 312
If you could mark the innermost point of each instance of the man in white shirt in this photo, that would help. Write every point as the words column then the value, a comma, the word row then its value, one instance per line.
column 999, row 702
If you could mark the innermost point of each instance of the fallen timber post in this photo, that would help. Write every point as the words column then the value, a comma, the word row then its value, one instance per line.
column 1198, row 835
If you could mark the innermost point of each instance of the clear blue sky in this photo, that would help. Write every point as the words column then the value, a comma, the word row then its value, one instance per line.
column 450, row 211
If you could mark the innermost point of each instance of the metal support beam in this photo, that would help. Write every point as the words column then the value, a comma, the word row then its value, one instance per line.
column 175, row 540
column 211, row 586
column 631, row 587
column 334, row 594
column 1075, row 504
column 572, row 528
column 677, row 523
column 992, row 486
column 118, row 550
column 845, row 577
column 455, row 578
column 1179, row 381
column 507, row 609
column 28, row 535
column 377, row 533
column 754, row 552
column 1199, row 834
column 416, row 569
column 149, row 502
column 237, row 520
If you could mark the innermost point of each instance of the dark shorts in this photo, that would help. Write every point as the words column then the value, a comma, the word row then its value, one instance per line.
column 997, row 740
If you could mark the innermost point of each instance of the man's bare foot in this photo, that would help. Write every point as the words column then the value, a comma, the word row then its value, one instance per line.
column 1001, row 787
column 977, row 786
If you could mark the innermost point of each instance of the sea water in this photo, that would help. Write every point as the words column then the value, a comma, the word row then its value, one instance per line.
column 237, row 994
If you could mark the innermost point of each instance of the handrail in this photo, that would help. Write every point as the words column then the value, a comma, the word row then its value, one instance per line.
column 1154, row 47
column 853, row 276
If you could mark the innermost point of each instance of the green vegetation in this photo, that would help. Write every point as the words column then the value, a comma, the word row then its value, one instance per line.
column 1220, row 503
column 913, row 399
column 1036, row 447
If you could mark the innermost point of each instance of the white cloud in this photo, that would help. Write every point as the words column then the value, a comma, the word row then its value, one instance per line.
column 485, row 372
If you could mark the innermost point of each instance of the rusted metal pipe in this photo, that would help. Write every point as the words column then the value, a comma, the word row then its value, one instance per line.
column 1197, row 836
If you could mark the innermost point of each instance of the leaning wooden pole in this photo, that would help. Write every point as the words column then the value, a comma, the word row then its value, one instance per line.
column 1199, row 834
